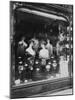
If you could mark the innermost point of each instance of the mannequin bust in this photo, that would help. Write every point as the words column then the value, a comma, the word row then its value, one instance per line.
column 22, row 42
column 44, row 53
column 21, row 47
column 30, row 49
column 49, row 47
column 36, row 44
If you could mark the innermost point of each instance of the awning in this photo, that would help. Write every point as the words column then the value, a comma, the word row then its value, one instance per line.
column 43, row 14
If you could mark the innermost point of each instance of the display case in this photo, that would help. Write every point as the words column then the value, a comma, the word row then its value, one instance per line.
column 41, row 37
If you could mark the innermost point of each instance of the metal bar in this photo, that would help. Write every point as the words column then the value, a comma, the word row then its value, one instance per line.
column 43, row 14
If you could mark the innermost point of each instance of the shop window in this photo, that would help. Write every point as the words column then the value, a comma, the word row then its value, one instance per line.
column 41, row 48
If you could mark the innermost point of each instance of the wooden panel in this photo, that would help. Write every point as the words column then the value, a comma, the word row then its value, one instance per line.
column 26, row 91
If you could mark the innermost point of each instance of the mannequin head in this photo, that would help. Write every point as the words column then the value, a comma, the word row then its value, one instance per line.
column 42, row 45
column 48, row 41
column 23, row 38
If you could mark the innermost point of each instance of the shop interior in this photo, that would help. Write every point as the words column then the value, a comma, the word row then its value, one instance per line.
column 41, row 48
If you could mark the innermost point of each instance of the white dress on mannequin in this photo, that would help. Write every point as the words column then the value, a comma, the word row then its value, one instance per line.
column 30, row 50
column 63, row 67
column 49, row 47
column 44, row 53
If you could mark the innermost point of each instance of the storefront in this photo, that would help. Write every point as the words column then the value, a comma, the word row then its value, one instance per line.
column 41, row 48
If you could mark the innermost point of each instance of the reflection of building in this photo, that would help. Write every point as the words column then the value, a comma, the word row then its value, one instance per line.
column 33, row 74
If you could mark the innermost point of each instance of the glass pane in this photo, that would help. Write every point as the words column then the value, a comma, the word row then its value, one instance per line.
column 41, row 48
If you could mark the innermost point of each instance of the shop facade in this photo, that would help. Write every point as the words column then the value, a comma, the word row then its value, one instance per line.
column 41, row 37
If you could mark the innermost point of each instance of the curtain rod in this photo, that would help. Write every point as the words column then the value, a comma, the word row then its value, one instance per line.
column 43, row 14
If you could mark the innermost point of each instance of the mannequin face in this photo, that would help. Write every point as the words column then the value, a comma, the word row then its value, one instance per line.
column 23, row 38
column 48, row 40
column 42, row 45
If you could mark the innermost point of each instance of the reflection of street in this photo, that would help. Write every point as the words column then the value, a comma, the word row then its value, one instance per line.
column 59, row 93
column 63, row 92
